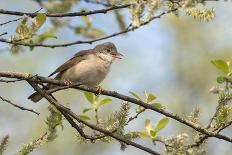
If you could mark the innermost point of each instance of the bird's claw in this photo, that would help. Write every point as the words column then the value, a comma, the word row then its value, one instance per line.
column 67, row 82
column 98, row 90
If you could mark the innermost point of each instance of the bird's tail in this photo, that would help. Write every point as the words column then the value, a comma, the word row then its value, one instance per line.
column 35, row 97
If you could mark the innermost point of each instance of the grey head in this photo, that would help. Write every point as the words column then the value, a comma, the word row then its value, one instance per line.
column 107, row 51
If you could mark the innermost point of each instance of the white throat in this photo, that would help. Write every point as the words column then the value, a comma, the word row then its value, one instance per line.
column 106, row 57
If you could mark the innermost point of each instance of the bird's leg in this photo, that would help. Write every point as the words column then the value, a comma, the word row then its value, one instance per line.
column 98, row 90
column 68, row 82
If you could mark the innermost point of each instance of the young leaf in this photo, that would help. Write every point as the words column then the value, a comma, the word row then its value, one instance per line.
column 148, row 125
column 84, row 117
column 47, row 35
column 158, row 105
column 153, row 133
column 89, row 96
column 143, row 134
column 135, row 95
column 86, row 110
column 40, row 19
column 221, row 65
column 162, row 123
column 221, row 79
column 80, row 29
column 150, row 97
column 93, row 33
column 87, row 21
column 120, row 20
column 104, row 101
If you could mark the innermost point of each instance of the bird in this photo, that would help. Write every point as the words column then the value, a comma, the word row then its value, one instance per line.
column 86, row 67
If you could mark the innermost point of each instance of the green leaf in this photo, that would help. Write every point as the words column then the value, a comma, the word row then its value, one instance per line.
column 40, row 19
column 104, row 101
column 143, row 134
column 158, row 105
column 80, row 30
column 89, row 96
column 150, row 97
column 221, row 79
column 221, row 65
column 153, row 133
column 93, row 33
column 120, row 19
column 84, row 117
column 148, row 125
column 31, row 42
column 135, row 95
column 86, row 110
column 47, row 35
column 87, row 21
column 162, row 123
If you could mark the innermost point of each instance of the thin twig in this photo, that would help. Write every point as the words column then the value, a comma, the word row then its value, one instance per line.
column 17, row 106
column 3, row 34
column 136, row 116
column 10, row 81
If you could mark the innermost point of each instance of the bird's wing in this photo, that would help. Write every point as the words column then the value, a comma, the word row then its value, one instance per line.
column 78, row 57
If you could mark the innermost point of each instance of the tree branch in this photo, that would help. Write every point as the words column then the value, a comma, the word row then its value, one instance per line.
column 72, row 14
column 39, row 79
column 63, row 110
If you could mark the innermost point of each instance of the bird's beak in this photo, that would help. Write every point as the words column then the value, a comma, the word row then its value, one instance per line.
column 117, row 55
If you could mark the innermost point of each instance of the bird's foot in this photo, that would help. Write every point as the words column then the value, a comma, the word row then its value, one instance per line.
column 68, row 83
column 98, row 90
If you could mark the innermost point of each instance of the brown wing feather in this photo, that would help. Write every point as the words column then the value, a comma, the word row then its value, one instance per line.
column 75, row 59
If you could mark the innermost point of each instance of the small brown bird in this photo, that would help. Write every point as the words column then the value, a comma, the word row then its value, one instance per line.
column 87, row 67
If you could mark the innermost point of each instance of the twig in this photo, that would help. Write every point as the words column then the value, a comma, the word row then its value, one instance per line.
column 10, row 81
column 136, row 116
column 3, row 34
column 39, row 79
column 10, row 21
column 17, row 106
column 130, row 28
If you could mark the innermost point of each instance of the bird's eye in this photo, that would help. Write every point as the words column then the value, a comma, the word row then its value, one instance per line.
column 108, row 50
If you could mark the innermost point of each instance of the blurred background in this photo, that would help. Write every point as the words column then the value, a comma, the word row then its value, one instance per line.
column 170, row 57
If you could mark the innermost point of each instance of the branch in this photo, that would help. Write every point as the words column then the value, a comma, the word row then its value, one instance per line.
column 72, row 14
column 63, row 110
column 3, row 34
column 17, row 106
column 130, row 28
column 39, row 79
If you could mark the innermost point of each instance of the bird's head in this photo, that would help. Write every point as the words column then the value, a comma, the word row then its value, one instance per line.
column 107, row 51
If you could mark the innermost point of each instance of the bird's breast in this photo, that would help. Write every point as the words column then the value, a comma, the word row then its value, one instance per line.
column 90, row 72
